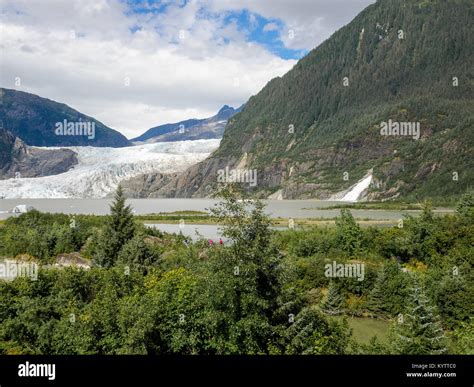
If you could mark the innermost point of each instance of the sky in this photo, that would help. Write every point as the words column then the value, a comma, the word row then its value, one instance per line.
column 135, row 64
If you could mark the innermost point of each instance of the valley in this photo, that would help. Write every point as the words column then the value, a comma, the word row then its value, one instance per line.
column 256, row 178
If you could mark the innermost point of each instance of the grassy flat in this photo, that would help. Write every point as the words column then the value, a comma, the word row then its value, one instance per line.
column 364, row 328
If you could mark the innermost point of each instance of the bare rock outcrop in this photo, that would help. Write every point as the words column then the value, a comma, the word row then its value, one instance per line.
column 20, row 160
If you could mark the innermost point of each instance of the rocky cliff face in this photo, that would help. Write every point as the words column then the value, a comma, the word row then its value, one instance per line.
column 146, row 185
column 20, row 160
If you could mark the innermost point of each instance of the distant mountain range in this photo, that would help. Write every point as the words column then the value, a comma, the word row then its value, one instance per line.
column 389, row 95
column 192, row 129
column 42, row 122
column 28, row 122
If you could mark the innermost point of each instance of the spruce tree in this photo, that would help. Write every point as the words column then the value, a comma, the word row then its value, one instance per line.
column 333, row 303
column 244, row 281
column 376, row 301
column 137, row 253
column 348, row 232
column 119, row 229
column 465, row 206
column 418, row 331
column 388, row 294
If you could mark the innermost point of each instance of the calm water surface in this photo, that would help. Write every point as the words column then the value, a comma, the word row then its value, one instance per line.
column 275, row 208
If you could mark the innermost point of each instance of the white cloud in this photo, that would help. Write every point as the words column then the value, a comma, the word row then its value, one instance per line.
column 81, row 52
column 270, row 27
column 311, row 21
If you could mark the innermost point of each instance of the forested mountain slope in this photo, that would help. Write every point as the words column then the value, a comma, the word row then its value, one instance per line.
column 34, row 120
column 317, row 130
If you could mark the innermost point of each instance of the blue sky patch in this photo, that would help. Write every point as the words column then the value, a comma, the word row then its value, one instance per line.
column 256, row 28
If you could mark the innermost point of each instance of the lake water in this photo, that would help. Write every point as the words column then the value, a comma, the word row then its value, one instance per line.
column 197, row 231
column 193, row 231
column 275, row 208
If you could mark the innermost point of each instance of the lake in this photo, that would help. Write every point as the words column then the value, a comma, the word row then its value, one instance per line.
column 197, row 231
column 275, row 208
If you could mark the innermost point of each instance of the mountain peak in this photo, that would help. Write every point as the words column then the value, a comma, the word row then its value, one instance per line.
column 204, row 128
column 224, row 108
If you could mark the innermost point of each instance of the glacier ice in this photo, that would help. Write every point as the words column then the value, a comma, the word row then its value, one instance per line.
column 100, row 170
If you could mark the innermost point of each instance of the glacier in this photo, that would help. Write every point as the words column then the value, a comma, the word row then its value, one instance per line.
column 100, row 170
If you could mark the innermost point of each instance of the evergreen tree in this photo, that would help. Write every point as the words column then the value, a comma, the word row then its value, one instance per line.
column 465, row 207
column 418, row 331
column 244, row 281
column 454, row 296
column 427, row 214
column 333, row 303
column 119, row 229
column 377, row 296
column 421, row 231
column 138, row 254
column 389, row 291
column 348, row 232
column 464, row 337
column 312, row 333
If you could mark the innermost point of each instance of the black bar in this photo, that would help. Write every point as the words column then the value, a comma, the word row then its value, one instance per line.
column 244, row 370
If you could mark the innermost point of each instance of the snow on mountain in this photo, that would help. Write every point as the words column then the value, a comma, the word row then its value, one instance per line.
column 100, row 170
